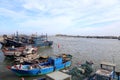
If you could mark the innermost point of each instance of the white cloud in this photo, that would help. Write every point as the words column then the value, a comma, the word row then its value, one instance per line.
column 55, row 24
column 58, row 15
column 32, row 4
column 112, row 29
column 12, row 14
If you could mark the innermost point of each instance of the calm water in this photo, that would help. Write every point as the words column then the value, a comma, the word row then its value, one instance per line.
column 82, row 49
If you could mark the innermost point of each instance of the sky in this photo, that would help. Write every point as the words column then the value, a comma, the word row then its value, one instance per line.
column 71, row 17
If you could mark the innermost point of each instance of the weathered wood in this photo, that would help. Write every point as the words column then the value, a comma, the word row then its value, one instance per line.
column 108, row 64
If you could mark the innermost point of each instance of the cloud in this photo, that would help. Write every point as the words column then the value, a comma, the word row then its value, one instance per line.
column 55, row 24
column 33, row 5
column 12, row 14
column 62, row 16
column 111, row 29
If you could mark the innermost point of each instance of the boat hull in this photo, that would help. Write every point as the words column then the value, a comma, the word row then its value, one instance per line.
column 43, row 44
column 38, row 71
column 33, row 72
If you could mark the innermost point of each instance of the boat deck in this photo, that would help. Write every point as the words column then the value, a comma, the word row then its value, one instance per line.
column 103, row 72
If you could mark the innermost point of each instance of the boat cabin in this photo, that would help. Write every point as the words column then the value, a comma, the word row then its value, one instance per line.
column 106, row 72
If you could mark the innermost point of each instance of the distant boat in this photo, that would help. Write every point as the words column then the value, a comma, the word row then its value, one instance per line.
column 52, row 64
column 41, row 41
column 18, row 41
column 9, row 43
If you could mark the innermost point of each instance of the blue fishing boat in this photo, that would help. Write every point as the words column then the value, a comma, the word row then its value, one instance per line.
column 52, row 64
column 41, row 41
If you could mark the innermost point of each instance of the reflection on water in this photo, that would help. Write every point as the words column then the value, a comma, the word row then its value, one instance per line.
column 82, row 49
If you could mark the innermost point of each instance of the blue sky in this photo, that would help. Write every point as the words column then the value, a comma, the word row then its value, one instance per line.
column 74, row 17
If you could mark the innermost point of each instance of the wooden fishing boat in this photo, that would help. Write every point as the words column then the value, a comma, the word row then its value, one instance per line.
column 65, row 57
column 26, row 58
column 13, row 52
column 36, row 61
column 52, row 64
column 9, row 42
column 106, row 72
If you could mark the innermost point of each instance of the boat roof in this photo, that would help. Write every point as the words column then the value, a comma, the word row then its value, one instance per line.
column 103, row 72
column 54, row 57
column 57, row 75
column 108, row 64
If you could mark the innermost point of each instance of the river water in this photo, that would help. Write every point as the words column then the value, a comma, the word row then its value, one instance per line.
column 82, row 49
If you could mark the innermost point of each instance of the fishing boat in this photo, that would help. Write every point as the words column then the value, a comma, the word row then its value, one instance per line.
column 27, row 57
column 34, row 40
column 37, row 61
column 53, row 63
column 42, row 41
column 106, row 72
column 18, row 41
column 18, row 51
column 9, row 42
column 45, row 58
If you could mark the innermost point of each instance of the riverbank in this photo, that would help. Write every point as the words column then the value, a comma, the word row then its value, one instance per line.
column 98, row 37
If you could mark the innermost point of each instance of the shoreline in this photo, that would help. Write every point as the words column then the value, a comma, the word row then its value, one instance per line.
column 98, row 37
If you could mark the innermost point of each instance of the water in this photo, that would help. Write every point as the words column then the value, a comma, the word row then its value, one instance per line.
column 82, row 49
